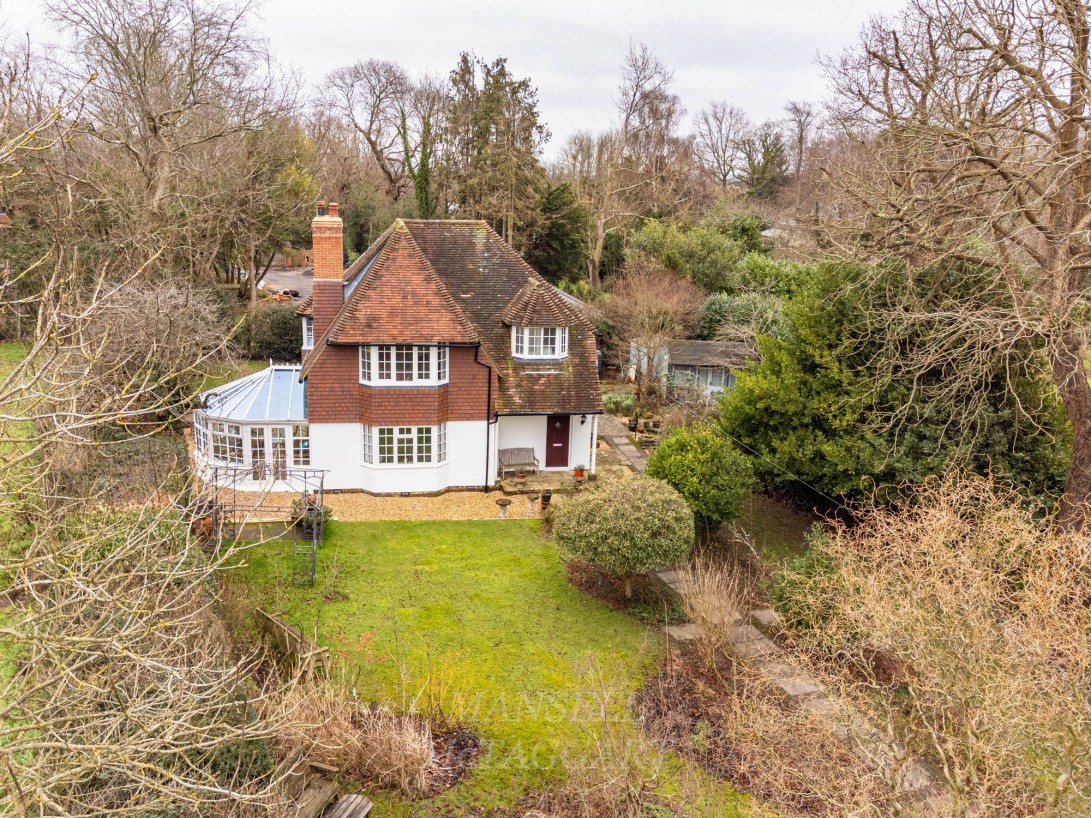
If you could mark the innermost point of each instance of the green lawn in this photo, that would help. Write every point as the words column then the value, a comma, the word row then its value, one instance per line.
column 229, row 371
column 11, row 352
column 484, row 608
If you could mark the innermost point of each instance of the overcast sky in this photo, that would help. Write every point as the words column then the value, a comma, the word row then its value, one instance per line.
column 755, row 53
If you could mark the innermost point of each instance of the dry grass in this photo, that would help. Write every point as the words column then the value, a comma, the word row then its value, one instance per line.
column 716, row 596
column 732, row 723
column 963, row 620
column 370, row 744
column 614, row 777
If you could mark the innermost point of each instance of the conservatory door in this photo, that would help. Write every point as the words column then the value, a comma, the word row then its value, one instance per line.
column 259, row 457
column 278, row 437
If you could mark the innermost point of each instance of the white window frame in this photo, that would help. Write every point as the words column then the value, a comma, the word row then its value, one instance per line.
column 529, row 343
column 404, row 447
column 301, row 444
column 404, row 365
column 308, row 333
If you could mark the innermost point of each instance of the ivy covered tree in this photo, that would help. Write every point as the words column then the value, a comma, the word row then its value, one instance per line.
column 626, row 527
column 826, row 405
column 707, row 470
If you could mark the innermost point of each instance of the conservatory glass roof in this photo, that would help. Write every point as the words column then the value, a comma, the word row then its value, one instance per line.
column 274, row 394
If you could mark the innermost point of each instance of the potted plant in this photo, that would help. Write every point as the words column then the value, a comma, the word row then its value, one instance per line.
column 634, row 420
column 520, row 477
column 580, row 472
column 309, row 515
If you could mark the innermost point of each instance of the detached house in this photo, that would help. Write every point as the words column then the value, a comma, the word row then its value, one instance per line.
column 436, row 350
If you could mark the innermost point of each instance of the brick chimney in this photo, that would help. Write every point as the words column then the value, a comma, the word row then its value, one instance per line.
column 328, row 253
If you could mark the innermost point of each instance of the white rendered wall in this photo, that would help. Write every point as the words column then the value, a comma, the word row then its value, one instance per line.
column 523, row 432
column 582, row 438
column 529, row 431
column 338, row 447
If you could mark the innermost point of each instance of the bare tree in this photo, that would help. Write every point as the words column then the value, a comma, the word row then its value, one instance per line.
column 650, row 306
column 971, row 122
column 764, row 160
column 373, row 95
column 718, row 129
column 640, row 165
column 173, row 79
column 124, row 695
column 801, row 123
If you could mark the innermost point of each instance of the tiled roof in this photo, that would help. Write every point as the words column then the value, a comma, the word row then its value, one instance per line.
column 731, row 354
column 485, row 281
column 484, row 274
column 401, row 300
column 307, row 307
column 537, row 304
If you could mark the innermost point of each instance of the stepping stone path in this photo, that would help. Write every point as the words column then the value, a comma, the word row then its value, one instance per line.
column 749, row 641
column 617, row 435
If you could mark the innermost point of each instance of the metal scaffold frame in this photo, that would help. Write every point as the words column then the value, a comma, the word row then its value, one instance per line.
column 246, row 501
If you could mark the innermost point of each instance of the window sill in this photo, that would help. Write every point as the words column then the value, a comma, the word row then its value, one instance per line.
column 403, row 384
column 539, row 357
column 388, row 466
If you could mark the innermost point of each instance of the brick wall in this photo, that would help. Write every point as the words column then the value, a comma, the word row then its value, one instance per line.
column 333, row 387
column 328, row 252
column 334, row 394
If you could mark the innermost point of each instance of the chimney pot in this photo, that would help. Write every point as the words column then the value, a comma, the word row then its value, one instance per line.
column 321, row 208
column 333, row 208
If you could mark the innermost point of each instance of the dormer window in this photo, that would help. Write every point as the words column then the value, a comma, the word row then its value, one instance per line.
column 308, row 333
column 539, row 342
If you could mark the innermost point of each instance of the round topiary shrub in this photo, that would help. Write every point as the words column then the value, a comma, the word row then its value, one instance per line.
column 626, row 527
column 706, row 469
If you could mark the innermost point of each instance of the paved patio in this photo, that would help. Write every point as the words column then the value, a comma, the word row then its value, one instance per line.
column 611, row 464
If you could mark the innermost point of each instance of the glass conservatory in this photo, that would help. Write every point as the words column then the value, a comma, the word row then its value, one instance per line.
column 257, row 424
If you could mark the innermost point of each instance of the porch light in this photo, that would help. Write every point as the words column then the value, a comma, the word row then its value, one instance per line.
column 583, row 419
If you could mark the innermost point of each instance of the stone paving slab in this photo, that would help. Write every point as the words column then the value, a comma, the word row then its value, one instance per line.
column 683, row 633
column 672, row 578
column 765, row 619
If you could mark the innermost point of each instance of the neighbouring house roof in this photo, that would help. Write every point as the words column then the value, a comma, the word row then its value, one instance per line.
column 458, row 282
column 273, row 394
column 728, row 354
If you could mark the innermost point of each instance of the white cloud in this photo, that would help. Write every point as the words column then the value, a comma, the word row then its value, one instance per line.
column 757, row 55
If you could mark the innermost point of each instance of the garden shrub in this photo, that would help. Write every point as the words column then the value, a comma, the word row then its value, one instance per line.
column 706, row 469
column 626, row 527
column 618, row 403
column 274, row 331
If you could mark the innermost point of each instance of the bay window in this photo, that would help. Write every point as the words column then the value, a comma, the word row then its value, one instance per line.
column 405, row 445
column 539, row 342
column 403, row 365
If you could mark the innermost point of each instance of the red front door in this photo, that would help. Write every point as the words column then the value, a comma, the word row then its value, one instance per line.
column 557, row 441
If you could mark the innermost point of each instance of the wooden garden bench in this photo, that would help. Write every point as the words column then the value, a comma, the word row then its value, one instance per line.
column 515, row 460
